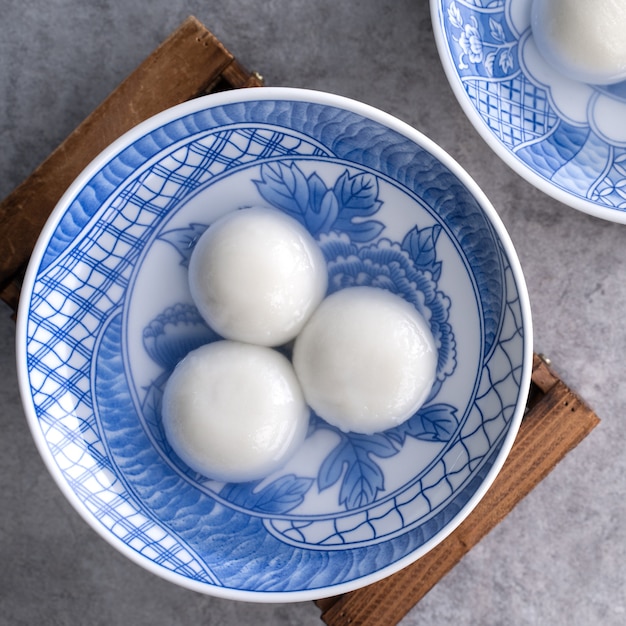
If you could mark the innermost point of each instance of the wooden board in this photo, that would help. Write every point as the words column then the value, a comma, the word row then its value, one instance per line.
column 190, row 63
column 556, row 421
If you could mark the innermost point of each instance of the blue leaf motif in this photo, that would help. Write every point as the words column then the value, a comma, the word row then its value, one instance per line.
column 363, row 477
column 455, row 15
column 323, row 206
column 421, row 247
column 329, row 209
column 280, row 496
column 151, row 406
column 332, row 467
column 184, row 240
column 320, row 209
column 497, row 32
column 362, row 483
column 366, row 231
column 357, row 195
column 317, row 190
column 506, row 61
column 436, row 422
column 285, row 186
column 358, row 198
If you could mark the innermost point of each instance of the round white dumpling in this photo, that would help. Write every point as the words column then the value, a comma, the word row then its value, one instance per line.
column 583, row 39
column 256, row 275
column 234, row 411
column 366, row 360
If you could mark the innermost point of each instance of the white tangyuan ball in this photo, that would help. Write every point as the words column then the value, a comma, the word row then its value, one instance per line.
column 366, row 360
column 256, row 275
column 583, row 39
column 234, row 411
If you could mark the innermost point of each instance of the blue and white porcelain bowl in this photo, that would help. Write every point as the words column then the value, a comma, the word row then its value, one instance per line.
column 106, row 314
column 565, row 137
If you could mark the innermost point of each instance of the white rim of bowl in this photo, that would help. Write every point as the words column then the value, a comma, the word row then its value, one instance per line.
column 520, row 168
column 285, row 94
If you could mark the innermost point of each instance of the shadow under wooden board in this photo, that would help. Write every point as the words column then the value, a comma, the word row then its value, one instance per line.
column 190, row 63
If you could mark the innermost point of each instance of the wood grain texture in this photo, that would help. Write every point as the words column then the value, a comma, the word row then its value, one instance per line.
column 557, row 420
column 190, row 63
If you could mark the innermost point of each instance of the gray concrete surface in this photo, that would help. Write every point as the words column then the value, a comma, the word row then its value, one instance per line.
column 559, row 558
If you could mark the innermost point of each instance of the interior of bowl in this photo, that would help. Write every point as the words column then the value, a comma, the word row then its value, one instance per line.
column 107, row 314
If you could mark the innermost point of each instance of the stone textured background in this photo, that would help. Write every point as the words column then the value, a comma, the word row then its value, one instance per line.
column 559, row 558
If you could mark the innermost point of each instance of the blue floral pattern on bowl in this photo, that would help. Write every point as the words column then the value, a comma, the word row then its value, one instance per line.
column 108, row 314
column 567, row 138
column 409, row 269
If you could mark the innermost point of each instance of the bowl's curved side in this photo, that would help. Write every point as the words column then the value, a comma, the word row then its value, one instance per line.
column 72, row 320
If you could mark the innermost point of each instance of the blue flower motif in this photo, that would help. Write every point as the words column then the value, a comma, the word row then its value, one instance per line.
column 471, row 42
column 175, row 332
column 409, row 271
column 168, row 338
column 340, row 217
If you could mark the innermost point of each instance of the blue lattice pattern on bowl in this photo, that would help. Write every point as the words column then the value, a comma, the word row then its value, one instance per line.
column 99, row 341
column 567, row 138
column 515, row 110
